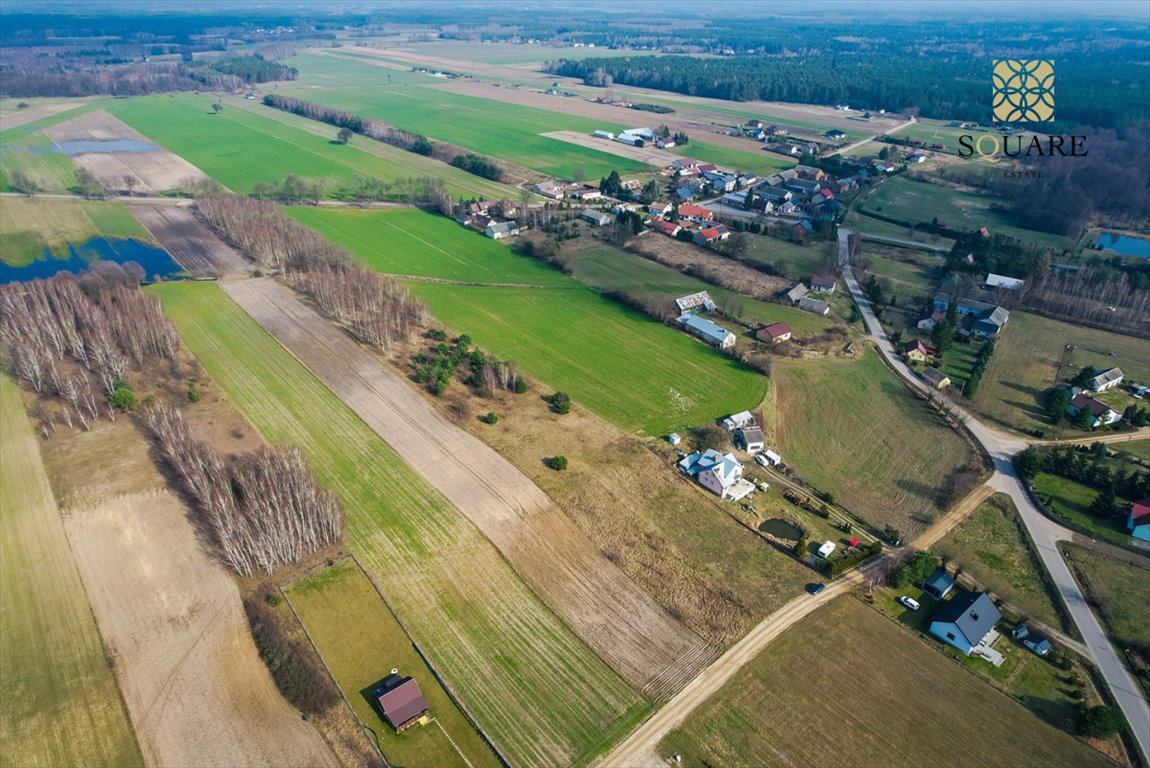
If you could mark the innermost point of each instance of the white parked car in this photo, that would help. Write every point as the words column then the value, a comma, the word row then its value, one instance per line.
column 761, row 460
column 909, row 602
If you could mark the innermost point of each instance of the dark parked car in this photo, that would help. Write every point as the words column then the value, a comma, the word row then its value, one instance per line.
column 814, row 589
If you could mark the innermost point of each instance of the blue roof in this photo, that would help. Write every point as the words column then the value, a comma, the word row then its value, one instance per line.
column 705, row 329
column 939, row 581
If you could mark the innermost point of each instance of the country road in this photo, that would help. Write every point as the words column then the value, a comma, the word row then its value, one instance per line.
column 903, row 241
column 1044, row 532
column 909, row 122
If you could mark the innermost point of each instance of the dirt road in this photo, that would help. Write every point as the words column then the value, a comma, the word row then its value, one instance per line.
column 629, row 630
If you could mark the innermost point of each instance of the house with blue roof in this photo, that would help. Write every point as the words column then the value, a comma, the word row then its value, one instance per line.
column 707, row 331
column 938, row 584
column 720, row 473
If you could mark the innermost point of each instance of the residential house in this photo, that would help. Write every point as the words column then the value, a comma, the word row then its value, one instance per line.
column 695, row 213
column 618, row 208
column 746, row 180
column 722, row 474
column 796, row 294
column 598, row 218
column 483, row 208
column 1101, row 414
column 991, row 324
column 776, row 195
column 846, row 184
column 916, row 158
column 659, row 209
column 631, row 186
column 585, row 193
column 917, row 352
column 734, row 199
column 803, row 229
column 668, row 228
column 706, row 168
column 810, row 172
column 826, row 193
column 695, row 301
column 789, row 208
column 550, row 189
column 774, row 333
column 938, row 584
column 401, row 702
column 936, row 378
column 790, row 174
column 683, row 194
column 1139, row 520
column 1104, row 380
column 814, row 305
column 712, row 235
column 929, row 323
column 823, row 284
column 965, row 620
column 1001, row 281
column 665, row 142
column 749, row 439
column 707, row 331
column 804, row 187
column 738, row 421
column 497, row 230
column 722, row 182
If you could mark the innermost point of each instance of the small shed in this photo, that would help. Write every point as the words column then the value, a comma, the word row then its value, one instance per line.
column 1019, row 632
column 674, row 438
column 938, row 584
column 1040, row 645
column 402, row 703
column 826, row 549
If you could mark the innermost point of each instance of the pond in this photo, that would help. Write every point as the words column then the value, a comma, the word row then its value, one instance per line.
column 781, row 529
column 154, row 260
column 1125, row 245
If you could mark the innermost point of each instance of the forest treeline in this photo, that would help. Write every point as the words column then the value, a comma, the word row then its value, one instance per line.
column 376, row 309
column 366, row 126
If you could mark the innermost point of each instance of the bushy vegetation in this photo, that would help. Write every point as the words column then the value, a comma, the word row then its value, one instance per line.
column 915, row 570
column 439, row 365
column 371, row 128
column 299, row 676
column 479, row 165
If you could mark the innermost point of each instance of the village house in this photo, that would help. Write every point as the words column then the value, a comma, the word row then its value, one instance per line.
column 709, row 332
column 668, row 228
column 585, row 193
column 711, row 235
column 965, row 621
column 1139, row 520
column 695, row 213
column 722, row 474
column 789, row 208
column 936, row 378
column 402, row 703
column 776, row 195
column 738, row 421
column 497, row 230
column 665, row 142
column 749, row 439
column 775, row 333
column 483, row 208
column 598, row 218
column 550, row 189
column 823, row 284
column 1101, row 414
column 929, row 323
column 1104, row 380
column 659, row 209
column 814, row 305
column 804, row 187
column 803, row 229
column 797, row 293
column 917, row 352
column 810, row 172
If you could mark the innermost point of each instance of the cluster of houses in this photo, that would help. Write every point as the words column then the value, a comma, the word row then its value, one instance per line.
column 722, row 473
column 1101, row 414
column 967, row 621
column 491, row 218
column 980, row 317
column 916, row 352
column 802, row 295
column 692, row 178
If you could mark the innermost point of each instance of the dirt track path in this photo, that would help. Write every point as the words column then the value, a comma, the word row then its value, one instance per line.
column 628, row 629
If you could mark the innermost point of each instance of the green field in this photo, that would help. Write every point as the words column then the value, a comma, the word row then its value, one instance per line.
column 541, row 695
column 853, row 428
column 507, row 131
column 31, row 226
column 1025, row 367
column 629, row 369
column 1122, row 592
column 29, row 152
column 1072, row 500
column 613, row 269
column 993, row 549
column 1137, row 448
column 63, row 707
column 360, row 642
column 913, row 274
column 752, row 159
column 242, row 146
column 837, row 690
column 797, row 262
column 907, row 200
column 410, row 241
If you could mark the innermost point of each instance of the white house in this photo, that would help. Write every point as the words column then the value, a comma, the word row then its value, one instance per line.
column 750, row 439
column 497, row 230
column 722, row 474
column 659, row 208
column 1100, row 413
column 1104, row 380
column 738, row 421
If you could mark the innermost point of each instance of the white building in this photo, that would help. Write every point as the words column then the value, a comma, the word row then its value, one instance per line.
column 721, row 474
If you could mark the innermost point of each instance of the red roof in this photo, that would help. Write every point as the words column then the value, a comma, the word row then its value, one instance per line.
column 984, row 232
column 696, row 211
column 1096, row 408
column 775, row 330
column 666, row 227
column 1141, row 509
column 827, row 193
column 403, row 703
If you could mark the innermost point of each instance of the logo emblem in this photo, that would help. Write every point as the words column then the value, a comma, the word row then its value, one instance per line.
column 1023, row 90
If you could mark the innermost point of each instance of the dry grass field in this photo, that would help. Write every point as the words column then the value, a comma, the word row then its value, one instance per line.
column 851, row 427
column 837, row 690
column 190, row 242
column 62, row 706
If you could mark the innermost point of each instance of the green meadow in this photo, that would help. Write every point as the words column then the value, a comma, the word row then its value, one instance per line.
column 540, row 694
column 29, row 227
column 752, row 159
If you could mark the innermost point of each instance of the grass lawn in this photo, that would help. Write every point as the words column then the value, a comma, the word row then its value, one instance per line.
column 907, row 200
column 958, row 361
column 1072, row 500
column 63, row 707
column 752, row 159
column 243, row 145
column 541, row 695
column 797, row 262
column 913, row 273
column 857, row 221
column 507, row 131
column 993, row 549
column 1122, row 592
column 410, row 241
column 1026, row 362
column 360, row 642
column 834, row 690
column 607, row 268
column 29, row 226
column 633, row 371
column 1137, row 448
column 851, row 427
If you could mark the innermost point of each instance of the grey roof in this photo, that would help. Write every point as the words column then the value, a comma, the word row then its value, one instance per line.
column 1105, row 377
column 998, row 316
column 751, row 434
column 504, row 227
column 814, row 305
column 934, row 376
column 798, row 292
column 972, row 613
column 939, row 581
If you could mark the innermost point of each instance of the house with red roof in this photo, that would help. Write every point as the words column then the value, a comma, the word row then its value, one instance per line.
column 401, row 702
column 774, row 333
column 695, row 213
column 711, row 235
column 1101, row 414
column 1139, row 522
column 917, row 352
column 668, row 228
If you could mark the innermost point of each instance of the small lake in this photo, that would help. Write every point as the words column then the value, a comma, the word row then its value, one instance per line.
column 781, row 529
column 1127, row 246
column 154, row 260
column 83, row 146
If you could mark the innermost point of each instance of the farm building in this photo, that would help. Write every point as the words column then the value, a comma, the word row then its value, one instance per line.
column 722, row 474
column 497, row 230
column 668, row 228
column 999, row 281
column 814, row 305
column 823, row 284
column 798, row 293
column 695, row 213
column 1139, row 520
column 694, row 301
column 603, row 135
column 1104, row 380
column 749, row 439
column 598, row 218
column 738, row 421
column 965, row 621
column 549, row 189
column 711, row 235
column 936, row 378
column 774, row 333
column 401, row 702
column 1100, row 413
column 938, row 584
column 630, row 139
column 708, row 331
column 585, row 193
